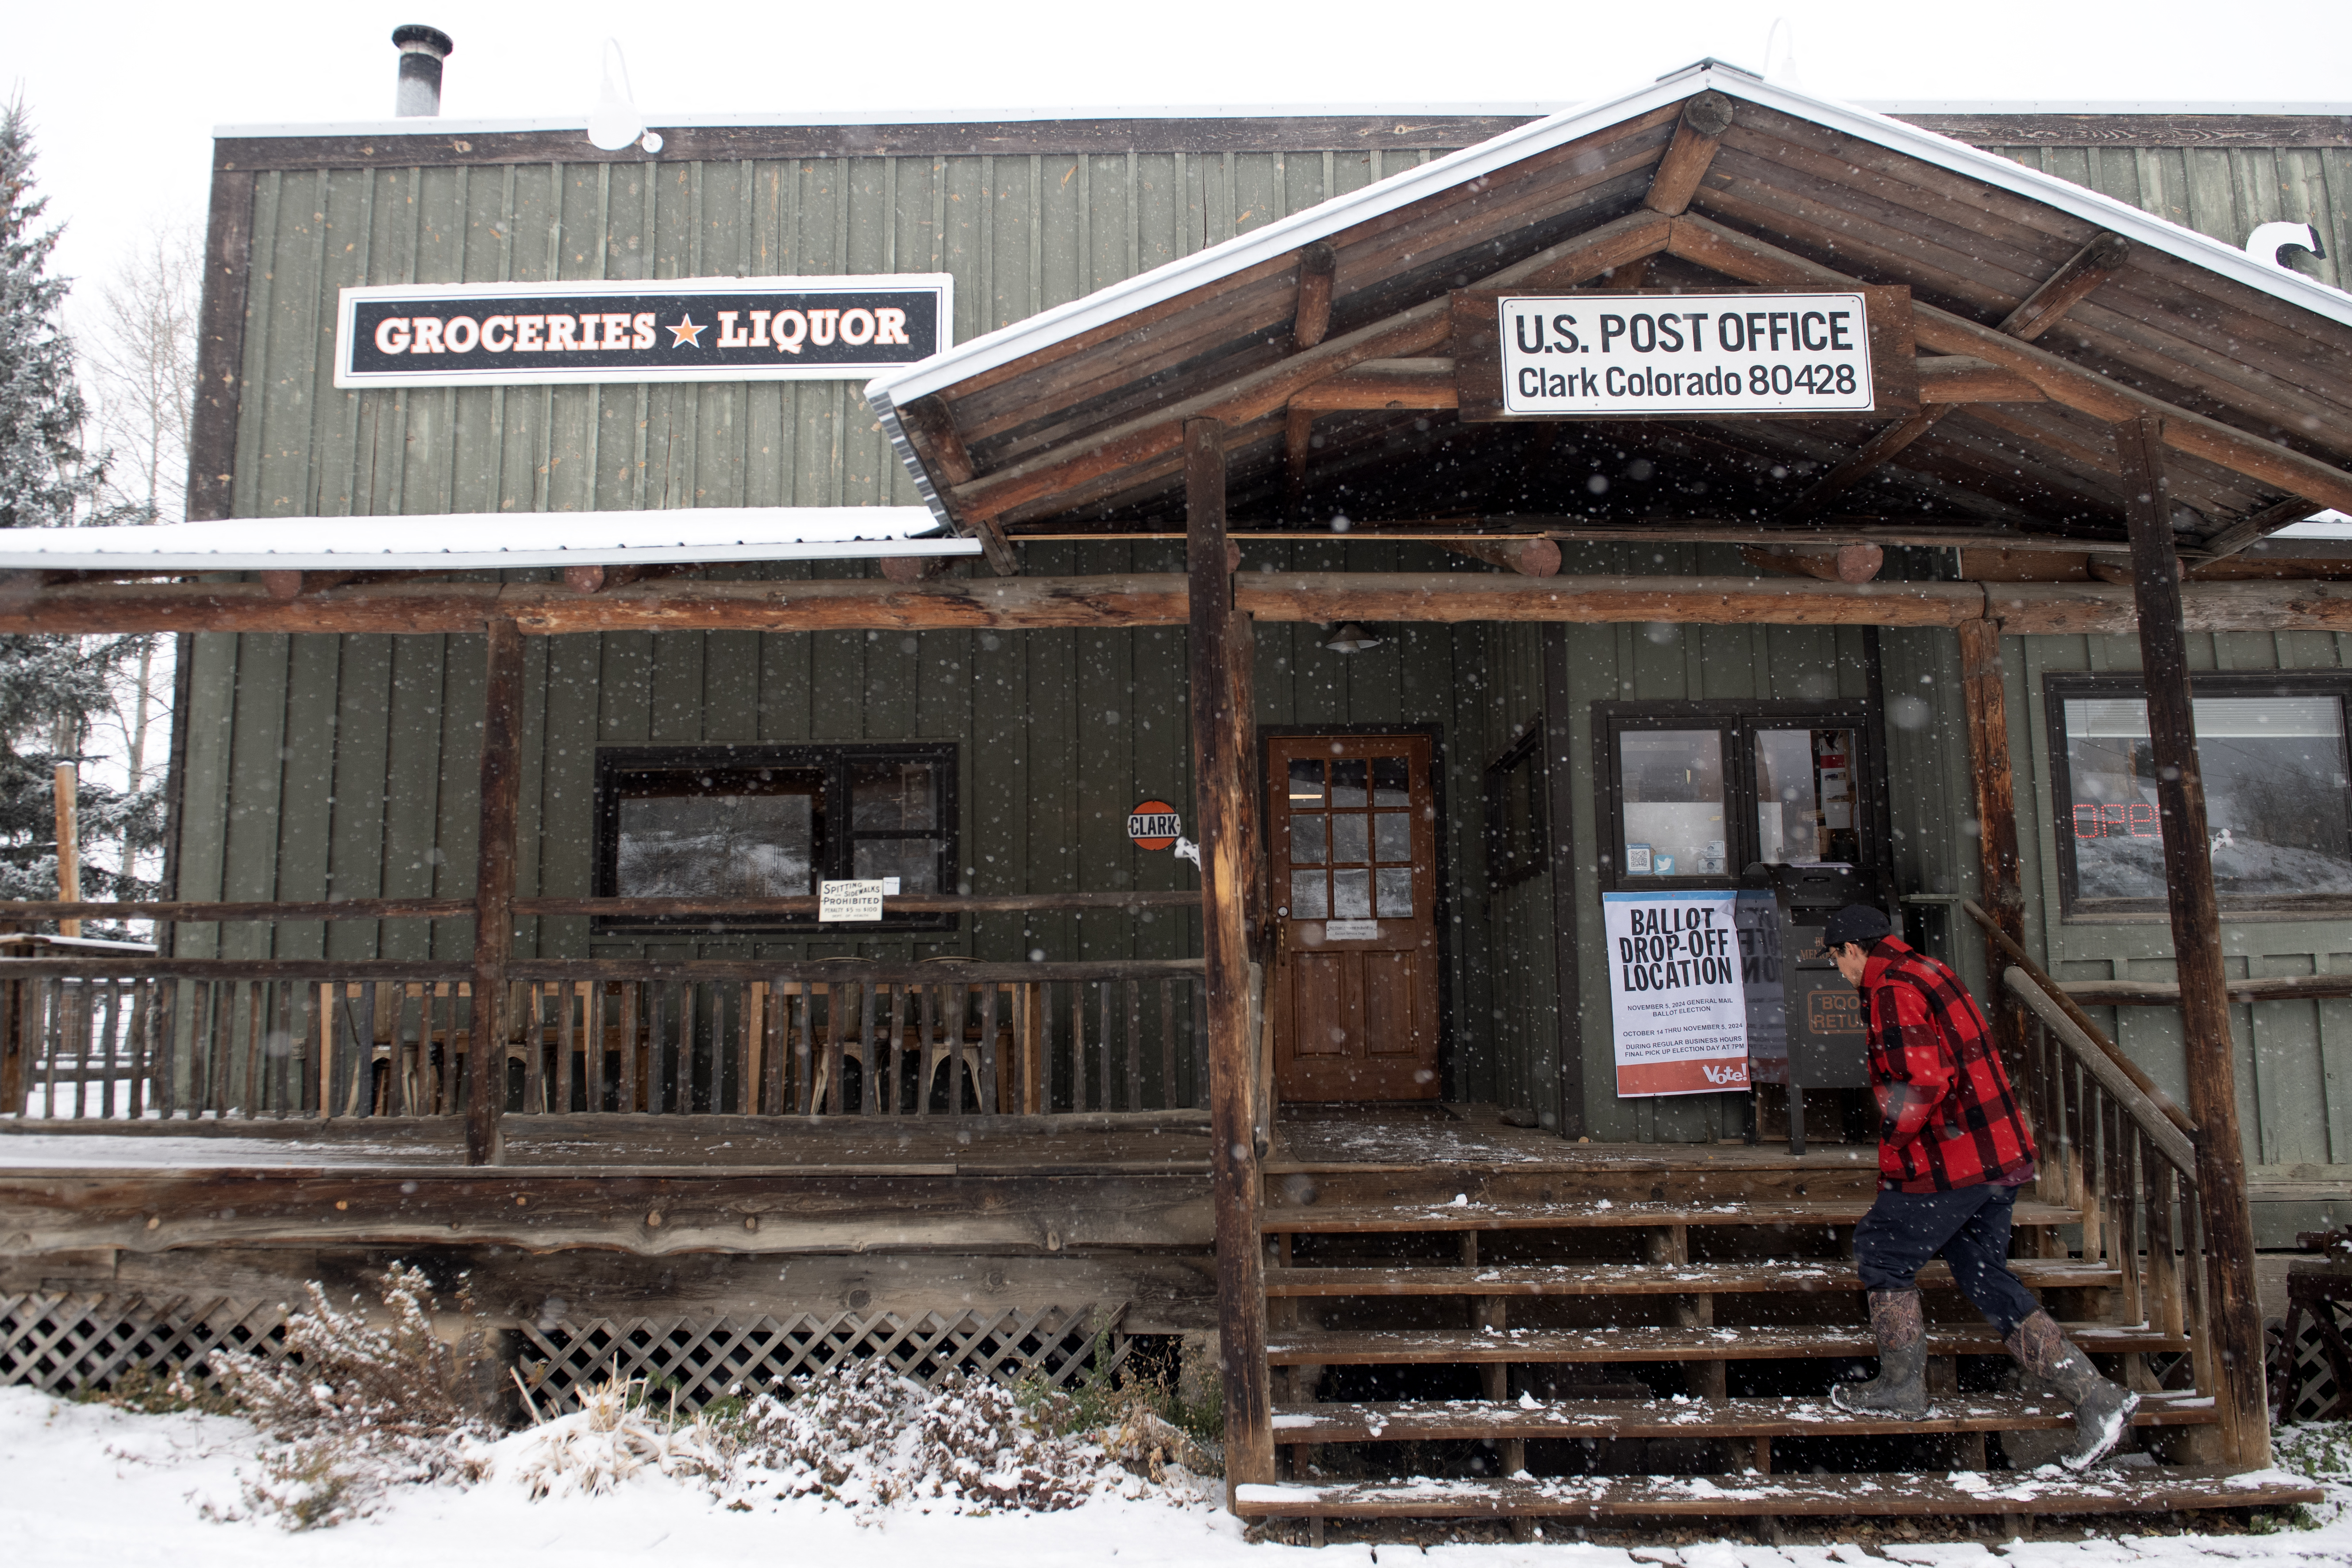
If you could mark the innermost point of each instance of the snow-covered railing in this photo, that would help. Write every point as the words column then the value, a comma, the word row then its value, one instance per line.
column 140, row 1038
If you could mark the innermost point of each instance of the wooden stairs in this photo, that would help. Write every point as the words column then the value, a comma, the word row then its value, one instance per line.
column 1654, row 1336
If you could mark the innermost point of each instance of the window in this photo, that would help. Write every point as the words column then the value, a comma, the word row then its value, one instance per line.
column 2278, row 793
column 1518, row 831
column 1351, row 839
column 1696, row 792
column 771, row 823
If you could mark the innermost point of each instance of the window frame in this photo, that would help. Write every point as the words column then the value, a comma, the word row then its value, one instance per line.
column 835, row 760
column 2057, row 686
column 1737, row 720
column 1504, row 871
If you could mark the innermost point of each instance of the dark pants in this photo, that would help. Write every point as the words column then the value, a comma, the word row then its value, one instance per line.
column 1970, row 1226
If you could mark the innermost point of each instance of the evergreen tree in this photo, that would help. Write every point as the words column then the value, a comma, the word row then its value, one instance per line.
column 52, row 687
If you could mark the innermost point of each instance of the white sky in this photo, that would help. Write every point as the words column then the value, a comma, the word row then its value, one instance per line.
column 124, row 93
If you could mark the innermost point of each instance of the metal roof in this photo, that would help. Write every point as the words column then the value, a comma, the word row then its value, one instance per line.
column 461, row 541
column 1025, row 337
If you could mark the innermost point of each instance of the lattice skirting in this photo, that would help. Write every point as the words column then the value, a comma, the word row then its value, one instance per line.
column 71, row 1343
column 64, row 1343
column 2309, row 1383
column 708, row 1359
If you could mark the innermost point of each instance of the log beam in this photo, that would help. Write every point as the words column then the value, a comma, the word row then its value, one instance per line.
column 494, row 886
column 1536, row 556
column 1223, row 788
column 930, row 429
column 1312, row 319
column 1843, row 563
column 1159, row 600
column 2234, row 1327
column 1697, row 134
column 904, row 568
column 1964, row 378
column 295, row 585
column 2077, row 277
column 1709, row 243
column 1384, row 383
column 2256, row 526
column 1422, row 330
column 1297, row 447
column 2000, row 887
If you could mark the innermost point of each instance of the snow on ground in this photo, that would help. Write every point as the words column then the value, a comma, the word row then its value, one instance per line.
column 87, row 1484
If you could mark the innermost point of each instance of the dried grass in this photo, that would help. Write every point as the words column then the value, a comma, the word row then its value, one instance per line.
column 354, row 1411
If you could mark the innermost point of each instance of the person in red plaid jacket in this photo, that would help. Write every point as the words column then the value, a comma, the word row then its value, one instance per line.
column 1953, row 1149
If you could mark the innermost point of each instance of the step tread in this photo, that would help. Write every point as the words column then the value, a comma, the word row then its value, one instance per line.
column 1601, row 1279
column 1433, row 1420
column 1594, row 1213
column 1372, row 1347
column 2049, row 1490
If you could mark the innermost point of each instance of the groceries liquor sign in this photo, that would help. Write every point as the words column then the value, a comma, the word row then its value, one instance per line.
column 691, row 329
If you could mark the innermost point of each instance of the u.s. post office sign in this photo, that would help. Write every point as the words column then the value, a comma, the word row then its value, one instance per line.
column 1731, row 352
column 654, row 329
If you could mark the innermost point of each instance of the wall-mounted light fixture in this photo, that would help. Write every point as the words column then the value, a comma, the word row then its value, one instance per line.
column 2268, row 239
column 1352, row 637
column 614, row 122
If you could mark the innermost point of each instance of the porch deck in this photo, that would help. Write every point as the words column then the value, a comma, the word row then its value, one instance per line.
column 1448, row 1138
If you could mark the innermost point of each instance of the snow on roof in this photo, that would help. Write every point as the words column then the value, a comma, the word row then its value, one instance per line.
column 458, row 541
column 2329, row 525
column 1284, row 235
column 1533, row 109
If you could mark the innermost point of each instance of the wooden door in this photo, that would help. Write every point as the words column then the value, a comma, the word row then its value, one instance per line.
column 1351, row 826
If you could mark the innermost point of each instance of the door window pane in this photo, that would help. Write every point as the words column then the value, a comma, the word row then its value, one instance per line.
column 1308, row 899
column 1396, row 892
column 1347, row 841
column 1351, row 896
column 1805, row 798
column 1392, row 836
column 2276, row 796
column 1348, row 781
column 1306, row 784
column 1307, row 839
column 1392, row 781
column 1671, row 783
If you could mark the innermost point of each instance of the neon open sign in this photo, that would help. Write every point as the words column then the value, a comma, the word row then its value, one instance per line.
column 2115, row 820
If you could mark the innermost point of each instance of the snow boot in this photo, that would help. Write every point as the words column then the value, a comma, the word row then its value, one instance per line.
column 1901, row 1386
column 2102, row 1409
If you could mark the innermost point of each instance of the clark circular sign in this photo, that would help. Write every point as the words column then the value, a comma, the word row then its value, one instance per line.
column 1154, row 825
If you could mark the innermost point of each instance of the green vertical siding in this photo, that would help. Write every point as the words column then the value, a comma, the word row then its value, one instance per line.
column 2224, row 191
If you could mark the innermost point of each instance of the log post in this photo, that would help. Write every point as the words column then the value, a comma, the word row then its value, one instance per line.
column 1221, row 781
column 2234, row 1321
column 494, row 886
column 69, row 843
column 2001, row 886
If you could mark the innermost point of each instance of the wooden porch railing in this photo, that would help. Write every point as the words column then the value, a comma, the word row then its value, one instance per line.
column 115, row 1039
column 2110, row 1151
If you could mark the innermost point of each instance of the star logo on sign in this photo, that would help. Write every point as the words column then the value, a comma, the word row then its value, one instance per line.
column 686, row 332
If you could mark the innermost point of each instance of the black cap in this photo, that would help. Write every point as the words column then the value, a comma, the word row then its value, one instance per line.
column 435, row 42
column 1861, row 923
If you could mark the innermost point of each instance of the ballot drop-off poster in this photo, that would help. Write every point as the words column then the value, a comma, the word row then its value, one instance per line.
column 1676, row 992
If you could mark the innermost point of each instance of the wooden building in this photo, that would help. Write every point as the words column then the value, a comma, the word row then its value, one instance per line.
column 1209, row 505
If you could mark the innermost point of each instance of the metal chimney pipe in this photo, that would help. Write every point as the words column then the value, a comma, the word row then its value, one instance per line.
column 422, row 50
